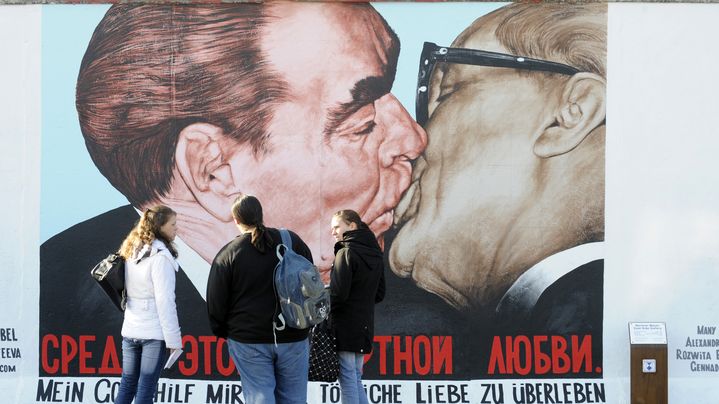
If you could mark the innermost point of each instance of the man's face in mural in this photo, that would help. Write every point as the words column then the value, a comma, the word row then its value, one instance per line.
column 340, row 140
column 487, row 202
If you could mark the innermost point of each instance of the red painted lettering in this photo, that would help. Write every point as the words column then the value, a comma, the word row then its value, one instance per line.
column 560, row 359
column 190, row 363
column 49, row 366
column 85, row 355
column 542, row 355
column 382, row 341
column 422, row 354
column 496, row 357
column 521, row 344
column 110, row 361
column 68, row 350
column 542, row 361
column 581, row 353
column 402, row 355
column 442, row 354
column 224, row 369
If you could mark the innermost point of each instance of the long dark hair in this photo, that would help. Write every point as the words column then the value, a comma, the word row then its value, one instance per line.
column 248, row 210
column 147, row 229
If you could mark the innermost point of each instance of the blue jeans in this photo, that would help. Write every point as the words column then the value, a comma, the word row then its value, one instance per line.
column 272, row 373
column 351, row 378
column 142, row 361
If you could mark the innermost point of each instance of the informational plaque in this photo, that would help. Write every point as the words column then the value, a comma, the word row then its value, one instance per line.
column 647, row 333
column 648, row 363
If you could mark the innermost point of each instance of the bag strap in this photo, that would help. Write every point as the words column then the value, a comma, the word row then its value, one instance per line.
column 286, row 238
column 286, row 243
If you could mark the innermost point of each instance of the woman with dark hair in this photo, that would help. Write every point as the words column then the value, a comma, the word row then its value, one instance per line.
column 357, row 283
column 272, row 358
column 150, row 322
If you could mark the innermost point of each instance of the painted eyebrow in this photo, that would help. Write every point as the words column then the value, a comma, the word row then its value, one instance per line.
column 365, row 91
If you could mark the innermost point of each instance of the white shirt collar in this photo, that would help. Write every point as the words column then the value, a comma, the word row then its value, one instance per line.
column 194, row 266
column 526, row 290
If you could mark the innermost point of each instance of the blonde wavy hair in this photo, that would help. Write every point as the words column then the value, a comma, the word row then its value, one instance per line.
column 148, row 229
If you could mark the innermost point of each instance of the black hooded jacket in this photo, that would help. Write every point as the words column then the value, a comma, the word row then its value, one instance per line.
column 357, row 283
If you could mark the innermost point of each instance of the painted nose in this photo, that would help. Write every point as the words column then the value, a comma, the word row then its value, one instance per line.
column 404, row 138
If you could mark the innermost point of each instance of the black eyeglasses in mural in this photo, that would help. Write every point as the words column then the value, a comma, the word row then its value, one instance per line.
column 431, row 54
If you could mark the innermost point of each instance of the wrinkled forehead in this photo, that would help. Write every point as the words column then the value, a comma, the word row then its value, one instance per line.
column 362, row 24
column 302, row 38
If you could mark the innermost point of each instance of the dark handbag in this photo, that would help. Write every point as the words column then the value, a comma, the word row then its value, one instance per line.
column 110, row 275
column 324, row 362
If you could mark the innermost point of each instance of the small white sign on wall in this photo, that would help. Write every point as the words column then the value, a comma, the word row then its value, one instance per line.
column 647, row 333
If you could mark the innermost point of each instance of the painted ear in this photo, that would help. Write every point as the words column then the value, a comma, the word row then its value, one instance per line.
column 581, row 110
column 204, row 169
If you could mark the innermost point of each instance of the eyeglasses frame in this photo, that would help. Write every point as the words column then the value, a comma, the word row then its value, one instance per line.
column 432, row 54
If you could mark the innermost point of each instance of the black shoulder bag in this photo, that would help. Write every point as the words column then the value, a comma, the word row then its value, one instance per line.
column 110, row 275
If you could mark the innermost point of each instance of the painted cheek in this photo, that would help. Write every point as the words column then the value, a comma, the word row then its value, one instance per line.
column 351, row 183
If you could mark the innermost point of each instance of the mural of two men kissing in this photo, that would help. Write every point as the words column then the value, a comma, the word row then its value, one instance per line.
column 490, row 210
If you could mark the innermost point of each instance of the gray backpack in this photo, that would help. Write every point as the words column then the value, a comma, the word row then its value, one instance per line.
column 304, row 300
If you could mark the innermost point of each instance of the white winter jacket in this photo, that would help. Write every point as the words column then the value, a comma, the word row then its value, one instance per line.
column 150, row 283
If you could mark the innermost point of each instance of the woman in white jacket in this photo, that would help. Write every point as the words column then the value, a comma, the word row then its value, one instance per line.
column 150, row 323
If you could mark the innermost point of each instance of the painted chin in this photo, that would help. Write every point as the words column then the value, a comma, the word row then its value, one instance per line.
column 428, row 279
column 416, row 254
column 449, row 294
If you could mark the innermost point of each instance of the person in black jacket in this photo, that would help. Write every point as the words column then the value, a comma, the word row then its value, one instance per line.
column 243, row 308
column 357, row 283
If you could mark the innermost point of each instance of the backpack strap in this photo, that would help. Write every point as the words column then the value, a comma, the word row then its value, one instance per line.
column 286, row 238
column 287, row 244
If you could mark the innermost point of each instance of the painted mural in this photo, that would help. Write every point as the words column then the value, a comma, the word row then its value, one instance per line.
column 189, row 106
column 473, row 145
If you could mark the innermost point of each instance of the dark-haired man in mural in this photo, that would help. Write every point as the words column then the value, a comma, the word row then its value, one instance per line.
column 190, row 105
column 505, row 217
